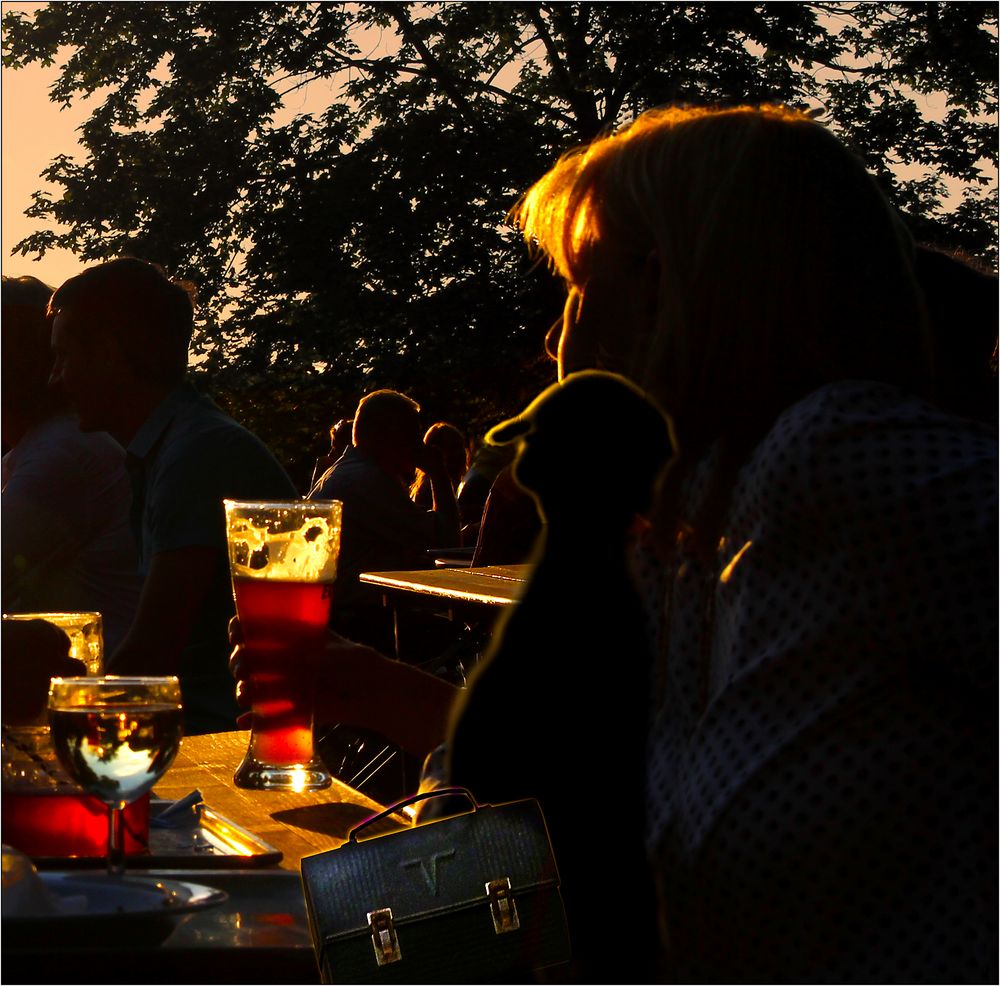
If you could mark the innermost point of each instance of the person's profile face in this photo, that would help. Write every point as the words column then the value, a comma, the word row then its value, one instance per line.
column 606, row 319
column 78, row 371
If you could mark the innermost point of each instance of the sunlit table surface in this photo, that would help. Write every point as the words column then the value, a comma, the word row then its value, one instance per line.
column 493, row 585
column 261, row 933
column 296, row 824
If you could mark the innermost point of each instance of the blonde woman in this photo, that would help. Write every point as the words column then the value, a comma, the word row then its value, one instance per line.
column 821, row 584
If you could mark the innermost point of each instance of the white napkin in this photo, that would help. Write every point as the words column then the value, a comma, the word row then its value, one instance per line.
column 26, row 896
column 183, row 813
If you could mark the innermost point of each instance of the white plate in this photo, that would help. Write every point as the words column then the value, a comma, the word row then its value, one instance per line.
column 96, row 904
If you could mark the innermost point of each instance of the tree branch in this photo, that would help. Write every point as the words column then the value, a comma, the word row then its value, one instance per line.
column 372, row 65
column 435, row 69
column 582, row 106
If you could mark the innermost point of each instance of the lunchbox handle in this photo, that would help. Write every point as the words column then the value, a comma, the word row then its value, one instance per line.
column 411, row 800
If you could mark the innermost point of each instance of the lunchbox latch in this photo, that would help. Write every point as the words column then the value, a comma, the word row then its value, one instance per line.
column 384, row 939
column 502, row 906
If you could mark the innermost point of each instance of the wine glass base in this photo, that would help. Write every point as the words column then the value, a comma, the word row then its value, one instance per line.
column 256, row 776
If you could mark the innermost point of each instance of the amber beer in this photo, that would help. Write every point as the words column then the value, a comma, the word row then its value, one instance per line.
column 283, row 560
column 273, row 613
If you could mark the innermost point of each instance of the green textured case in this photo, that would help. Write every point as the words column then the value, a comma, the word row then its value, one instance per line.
column 414, row 906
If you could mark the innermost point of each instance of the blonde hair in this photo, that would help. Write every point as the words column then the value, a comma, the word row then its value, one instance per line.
column 453, row 447
column 781, row 264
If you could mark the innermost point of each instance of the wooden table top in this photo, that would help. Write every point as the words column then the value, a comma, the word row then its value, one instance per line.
column 297, row 824
column 259, row 934
column 494, row 585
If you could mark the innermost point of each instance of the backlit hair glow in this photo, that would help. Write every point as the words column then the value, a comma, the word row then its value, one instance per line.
column 780, row 264
column 615, row 187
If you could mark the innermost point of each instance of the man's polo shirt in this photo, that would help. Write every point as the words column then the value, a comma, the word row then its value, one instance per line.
column 185, row 459
column 383, row 529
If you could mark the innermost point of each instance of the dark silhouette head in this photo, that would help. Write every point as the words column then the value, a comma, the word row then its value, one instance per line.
column 340, row 436
column 451, row 442
column 25, row 292
column 962, row 305
column 731, row 261
column 27, row 355
column 150, row 316
column 387, row 429
column 591, row 442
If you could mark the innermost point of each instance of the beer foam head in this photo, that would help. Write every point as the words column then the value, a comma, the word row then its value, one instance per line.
column 288, row 541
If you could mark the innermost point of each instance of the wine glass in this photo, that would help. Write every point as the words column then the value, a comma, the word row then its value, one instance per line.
column 115, row 737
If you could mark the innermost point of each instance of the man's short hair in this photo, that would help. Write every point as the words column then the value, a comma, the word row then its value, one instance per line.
column 26, row 291
column 382, row 415
column 150, row 314
column 26, row 350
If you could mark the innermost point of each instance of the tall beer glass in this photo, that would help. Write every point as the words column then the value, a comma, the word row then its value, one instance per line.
column 283, row 560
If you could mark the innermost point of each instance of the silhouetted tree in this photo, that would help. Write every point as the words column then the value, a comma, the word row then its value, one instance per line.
column 364, row 244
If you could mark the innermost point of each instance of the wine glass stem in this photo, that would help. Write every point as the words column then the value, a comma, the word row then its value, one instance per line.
column 116, row 841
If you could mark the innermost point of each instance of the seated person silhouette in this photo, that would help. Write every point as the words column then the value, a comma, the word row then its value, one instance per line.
column 66, row 542
column 487, row 462
column 384, row 530
column 120, row 333
column 509, row 525
column 451, row 442
column 340, row 439
column 557, row 710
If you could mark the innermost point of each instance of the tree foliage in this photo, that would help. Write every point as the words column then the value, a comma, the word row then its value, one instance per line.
column 362, row 244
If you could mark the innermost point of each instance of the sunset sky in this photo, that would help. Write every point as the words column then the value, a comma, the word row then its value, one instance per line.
column 34, row 131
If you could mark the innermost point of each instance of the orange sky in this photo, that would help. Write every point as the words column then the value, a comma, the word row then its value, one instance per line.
column 33, row 132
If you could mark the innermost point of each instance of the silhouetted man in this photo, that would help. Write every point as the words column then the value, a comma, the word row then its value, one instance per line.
column 384, row 530
column 66, row 544
column 120, row 335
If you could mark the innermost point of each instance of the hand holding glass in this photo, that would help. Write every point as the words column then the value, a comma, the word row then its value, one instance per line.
column 85, row 632
column 115, row 737
column 283, row 560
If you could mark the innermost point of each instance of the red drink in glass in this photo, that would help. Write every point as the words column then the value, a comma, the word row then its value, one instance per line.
column 272, row 615
column 272, row 612
column 68, row 823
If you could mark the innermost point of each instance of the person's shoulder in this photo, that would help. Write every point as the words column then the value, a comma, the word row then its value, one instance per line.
column 205, row 448
column 101, row 447
column 869, row 413
column 59, row 443
column 354, row 476
column 870, row 440
column 202, row 428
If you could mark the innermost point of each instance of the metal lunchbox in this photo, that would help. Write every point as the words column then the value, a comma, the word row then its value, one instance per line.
column 470, row 898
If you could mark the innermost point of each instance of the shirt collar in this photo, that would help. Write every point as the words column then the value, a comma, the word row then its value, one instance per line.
column 152, row 429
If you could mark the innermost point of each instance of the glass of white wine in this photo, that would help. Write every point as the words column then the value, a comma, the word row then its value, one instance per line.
column 115, row 737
